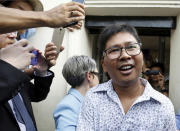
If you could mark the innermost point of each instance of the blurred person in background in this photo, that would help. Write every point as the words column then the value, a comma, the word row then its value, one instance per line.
column 157, row 79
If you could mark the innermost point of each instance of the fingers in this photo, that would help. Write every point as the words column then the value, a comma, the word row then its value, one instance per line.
column 77, row 26
column 51, row 58
column 78, row 18
column 75, row 13
column 76, row 4
column 50, row 47
column 76, row 8
column 71, row 29
column 29, row 48
column 52, row 63
column 51, row 53
column 22, row 42
column 65, row 14
column 61, row 48
column 32, row 55
column 73, row 9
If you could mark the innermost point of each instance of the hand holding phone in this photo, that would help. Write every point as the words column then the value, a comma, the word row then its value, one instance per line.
column 58, row 36
column 74, row 23
column 34, row 61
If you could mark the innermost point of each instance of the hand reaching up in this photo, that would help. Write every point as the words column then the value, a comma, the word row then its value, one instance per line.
column 51, row 53
column 17, row 54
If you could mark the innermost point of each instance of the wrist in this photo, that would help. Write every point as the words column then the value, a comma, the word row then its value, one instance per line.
column 36, row 19
column 46, row 19
column 41, row 73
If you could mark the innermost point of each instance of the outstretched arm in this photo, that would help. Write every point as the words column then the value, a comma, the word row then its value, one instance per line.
column 59, row 16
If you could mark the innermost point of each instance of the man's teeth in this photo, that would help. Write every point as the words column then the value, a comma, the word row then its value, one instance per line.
column 126, row 67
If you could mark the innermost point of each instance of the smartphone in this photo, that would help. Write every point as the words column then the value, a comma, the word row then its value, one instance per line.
column 58, row 36
column 34, row 61
column 74, row 23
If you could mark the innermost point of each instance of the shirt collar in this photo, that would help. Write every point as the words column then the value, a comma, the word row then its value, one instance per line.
column 76, row 94
column 148, row 94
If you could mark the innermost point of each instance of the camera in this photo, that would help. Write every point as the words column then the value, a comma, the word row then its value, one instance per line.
column 34, row 61
column 151, row 72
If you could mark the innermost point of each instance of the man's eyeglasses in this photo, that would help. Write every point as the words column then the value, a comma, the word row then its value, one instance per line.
column 132, row 49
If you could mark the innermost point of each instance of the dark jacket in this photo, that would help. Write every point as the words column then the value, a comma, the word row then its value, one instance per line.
column 13, row 81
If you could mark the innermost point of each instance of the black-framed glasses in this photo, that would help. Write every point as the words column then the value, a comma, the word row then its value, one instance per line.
column 95, row 73
column 132, row 49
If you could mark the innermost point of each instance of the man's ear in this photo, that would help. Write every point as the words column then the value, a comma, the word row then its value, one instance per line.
column 103, row 65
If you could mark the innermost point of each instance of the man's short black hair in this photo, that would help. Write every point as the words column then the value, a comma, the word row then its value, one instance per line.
column 160, row 65
column 111, row 30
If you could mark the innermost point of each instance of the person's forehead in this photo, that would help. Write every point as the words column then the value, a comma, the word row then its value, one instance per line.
column 156, row 68
column 121, row 38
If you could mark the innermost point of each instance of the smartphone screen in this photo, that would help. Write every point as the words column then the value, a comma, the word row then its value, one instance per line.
column 34, row 61
column 58, row 36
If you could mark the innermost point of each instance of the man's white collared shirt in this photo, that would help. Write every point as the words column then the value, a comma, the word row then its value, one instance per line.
column 102, row 111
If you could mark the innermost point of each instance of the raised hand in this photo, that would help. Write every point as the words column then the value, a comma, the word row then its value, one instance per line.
column 17, row 54
column 42, row 66
column 77, row 26
column 64, row 14
column 51, row 54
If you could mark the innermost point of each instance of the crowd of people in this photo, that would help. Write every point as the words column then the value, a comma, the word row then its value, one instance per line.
column 17, row 92
column 126, row 102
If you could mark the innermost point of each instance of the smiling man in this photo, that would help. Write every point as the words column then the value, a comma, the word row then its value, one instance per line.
column 126, row 102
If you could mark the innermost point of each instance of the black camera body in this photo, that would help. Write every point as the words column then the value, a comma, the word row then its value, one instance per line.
column 151, row 72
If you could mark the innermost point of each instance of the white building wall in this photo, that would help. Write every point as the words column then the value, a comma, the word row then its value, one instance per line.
column 174, row 85
column 75, row 43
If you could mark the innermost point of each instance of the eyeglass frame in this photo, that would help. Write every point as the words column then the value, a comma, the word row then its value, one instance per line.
column 105, row 51
column 96, row 73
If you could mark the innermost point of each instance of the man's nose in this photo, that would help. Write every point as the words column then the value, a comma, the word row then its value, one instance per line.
column 124, row 54
column 12, row 35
